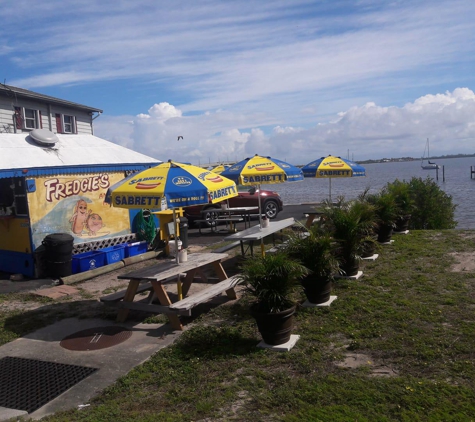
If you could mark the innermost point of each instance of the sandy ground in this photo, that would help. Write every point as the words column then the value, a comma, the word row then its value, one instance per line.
column 464, row 261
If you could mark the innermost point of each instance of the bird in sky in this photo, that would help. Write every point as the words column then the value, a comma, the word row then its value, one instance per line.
column 180, row 137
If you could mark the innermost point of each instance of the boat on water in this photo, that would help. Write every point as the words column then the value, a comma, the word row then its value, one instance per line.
column 429, row 165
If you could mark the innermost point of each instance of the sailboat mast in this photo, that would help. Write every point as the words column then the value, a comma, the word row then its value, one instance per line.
column 429, row 165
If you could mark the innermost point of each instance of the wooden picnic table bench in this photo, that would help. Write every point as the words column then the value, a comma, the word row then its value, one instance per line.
column 213, row 224
column 184, row 306
column 157, row 275
column 256, row 233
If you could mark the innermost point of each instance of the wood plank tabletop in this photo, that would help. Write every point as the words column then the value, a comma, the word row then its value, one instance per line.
column 257, row 233
column 170, row 268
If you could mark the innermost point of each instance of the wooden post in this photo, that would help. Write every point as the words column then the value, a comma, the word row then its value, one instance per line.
column 165, row 300
column 443, row 173
column 129, row 297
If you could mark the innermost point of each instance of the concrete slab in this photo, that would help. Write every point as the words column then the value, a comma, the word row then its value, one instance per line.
column 351, row 277
column 9, row 414
column 57, row 291
column 308, row 304
column 403, row 232
column 8, row 286
column 280, row 347
column 113, row 362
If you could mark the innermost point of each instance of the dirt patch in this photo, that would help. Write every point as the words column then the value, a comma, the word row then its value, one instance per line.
column 57, row 291
column 355, row 360
column 467, row 234
column 465, row 262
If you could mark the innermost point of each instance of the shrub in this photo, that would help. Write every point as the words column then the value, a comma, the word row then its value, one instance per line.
column 401, row 191
column 433, row 207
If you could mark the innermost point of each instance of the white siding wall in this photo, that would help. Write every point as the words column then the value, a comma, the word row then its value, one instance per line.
column 8, row 108
column 83, row 119
column 7, row 104
column 6, row 111
column 84, row 124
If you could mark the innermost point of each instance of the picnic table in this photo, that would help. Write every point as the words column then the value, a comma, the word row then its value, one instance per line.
column 153, row 278
column 231, row 216
column 258, row 233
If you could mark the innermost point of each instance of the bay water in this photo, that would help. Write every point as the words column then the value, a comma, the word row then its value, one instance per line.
column 457, row 184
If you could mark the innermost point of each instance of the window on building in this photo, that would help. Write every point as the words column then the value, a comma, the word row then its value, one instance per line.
column 68, row 124
column 6, row 193
column 65, row 123
column 13, row 196
column 30, row 118
column 27, row 118
column 19, row 191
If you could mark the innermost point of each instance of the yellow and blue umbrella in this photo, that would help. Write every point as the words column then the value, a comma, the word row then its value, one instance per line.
column 330, row 167
column 178, row 184
column 220, row 168
column 259, row 170
column 170, row 185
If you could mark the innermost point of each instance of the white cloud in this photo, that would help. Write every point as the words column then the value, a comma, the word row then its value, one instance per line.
column 369, row 131
column 163, row 112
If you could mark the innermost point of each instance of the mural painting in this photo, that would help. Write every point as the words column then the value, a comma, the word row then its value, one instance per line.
column 75, row 204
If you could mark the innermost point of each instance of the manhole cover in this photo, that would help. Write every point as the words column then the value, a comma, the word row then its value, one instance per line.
column 96, row 338
column 28, row 384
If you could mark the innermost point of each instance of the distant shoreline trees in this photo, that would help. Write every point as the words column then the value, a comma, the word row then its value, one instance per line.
column 391, row 160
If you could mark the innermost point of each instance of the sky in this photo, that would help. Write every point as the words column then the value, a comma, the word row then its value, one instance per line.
column 295, row 80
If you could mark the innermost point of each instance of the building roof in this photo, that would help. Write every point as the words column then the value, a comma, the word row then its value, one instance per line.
column 20, row 155
column 24, row 93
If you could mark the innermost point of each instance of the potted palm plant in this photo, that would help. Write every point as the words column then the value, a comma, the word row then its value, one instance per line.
column 352, row 225
column 272, row 279
column 316, row 250
column 370, row 242
column 387, row 213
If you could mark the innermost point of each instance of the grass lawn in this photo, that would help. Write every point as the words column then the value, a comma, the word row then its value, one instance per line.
column 397, row 345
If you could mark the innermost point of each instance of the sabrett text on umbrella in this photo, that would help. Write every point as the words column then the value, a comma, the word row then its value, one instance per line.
column 144, row 179
column 146, row 201
column 335, row 173
column 222, row 192
column 262, row 178
column 268, row 164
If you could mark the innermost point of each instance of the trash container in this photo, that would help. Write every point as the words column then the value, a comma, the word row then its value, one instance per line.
column 183, row 227
column 58, row 254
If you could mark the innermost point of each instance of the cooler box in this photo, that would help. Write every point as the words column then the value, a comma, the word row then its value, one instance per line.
column 114, row 253
column 87, row 261
column 136, row 248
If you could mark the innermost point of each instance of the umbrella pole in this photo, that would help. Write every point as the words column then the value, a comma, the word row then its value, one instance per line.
column 176, row 235
column 330, row 189
column 178, row 281
column 231, row 225
column 260, row 221
column 259, row 202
